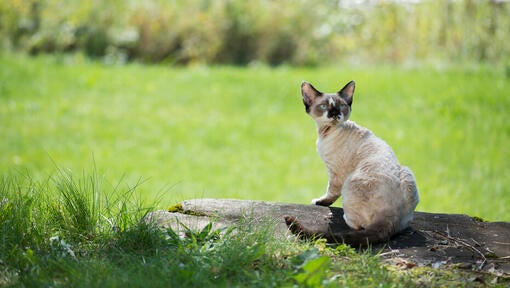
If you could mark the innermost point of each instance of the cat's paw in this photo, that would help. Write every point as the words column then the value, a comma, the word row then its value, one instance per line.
column 321, row 202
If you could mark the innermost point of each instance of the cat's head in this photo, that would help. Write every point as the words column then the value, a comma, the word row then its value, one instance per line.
column 328, row 108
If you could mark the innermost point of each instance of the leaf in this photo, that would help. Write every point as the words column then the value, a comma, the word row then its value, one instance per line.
column 171, row 233
column 202, row 236
column 309, row 254
column 257, row 250
column 30, row 256
column 314, row 271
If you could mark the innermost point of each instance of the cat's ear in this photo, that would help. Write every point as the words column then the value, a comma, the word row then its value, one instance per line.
column 347, row 92
column 309, row 94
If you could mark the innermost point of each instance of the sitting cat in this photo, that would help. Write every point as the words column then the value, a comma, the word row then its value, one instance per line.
column 378, row 195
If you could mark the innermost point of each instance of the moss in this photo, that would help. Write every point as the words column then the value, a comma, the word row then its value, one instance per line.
column 491, row 255
column 177, row 208
column 478, row 219
column 194, row 213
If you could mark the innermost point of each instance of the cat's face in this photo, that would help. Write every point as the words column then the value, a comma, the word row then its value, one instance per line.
column 327, row 108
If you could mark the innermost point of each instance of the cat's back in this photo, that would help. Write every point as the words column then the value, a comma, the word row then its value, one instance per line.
column 352, row 136
column 364, row 145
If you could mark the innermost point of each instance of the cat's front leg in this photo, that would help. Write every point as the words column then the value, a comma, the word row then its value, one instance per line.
column 332, row 194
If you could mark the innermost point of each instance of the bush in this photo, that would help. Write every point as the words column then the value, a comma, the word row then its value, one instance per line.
column 273, row 32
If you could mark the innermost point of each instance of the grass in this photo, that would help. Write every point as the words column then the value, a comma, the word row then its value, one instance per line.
column 181, row 133
column 110, row 247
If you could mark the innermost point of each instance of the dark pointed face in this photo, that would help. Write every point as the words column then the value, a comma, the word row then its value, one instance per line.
column 328, row 108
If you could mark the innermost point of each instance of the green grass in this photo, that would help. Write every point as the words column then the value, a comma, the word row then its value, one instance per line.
column 67, row 232
column 180, row 133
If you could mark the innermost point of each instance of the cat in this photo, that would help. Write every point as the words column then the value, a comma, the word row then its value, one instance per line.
column 378, row 194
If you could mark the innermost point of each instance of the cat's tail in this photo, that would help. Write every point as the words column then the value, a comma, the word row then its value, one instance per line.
column 375, row 233
column 408, row 186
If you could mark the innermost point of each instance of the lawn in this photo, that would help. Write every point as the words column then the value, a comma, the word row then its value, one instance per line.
column 88, row 149
column 178, row 133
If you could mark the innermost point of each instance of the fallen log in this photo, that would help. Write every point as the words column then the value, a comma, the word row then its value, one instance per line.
column 433, row 239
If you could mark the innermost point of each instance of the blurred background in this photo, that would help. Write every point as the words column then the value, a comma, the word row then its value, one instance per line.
column 198, row 98
column 303, row 32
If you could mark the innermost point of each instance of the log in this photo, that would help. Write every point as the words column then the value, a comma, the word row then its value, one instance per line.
column 433, row 239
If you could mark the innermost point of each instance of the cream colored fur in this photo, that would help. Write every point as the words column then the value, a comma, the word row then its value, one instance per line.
column 377, row 192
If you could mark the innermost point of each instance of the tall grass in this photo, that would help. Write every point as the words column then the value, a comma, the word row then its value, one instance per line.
column 34, row 212
column 17, row 217
column 39, row 249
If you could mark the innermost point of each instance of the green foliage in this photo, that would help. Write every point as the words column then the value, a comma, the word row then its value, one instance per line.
column 41, row 251
column 274, row 32
column 19, row 232
column 75, row 213
column 312, row 269
column 38, row 252
column 221, row 132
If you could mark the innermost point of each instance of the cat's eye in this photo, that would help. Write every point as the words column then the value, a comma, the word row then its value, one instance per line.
column 323, row 106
